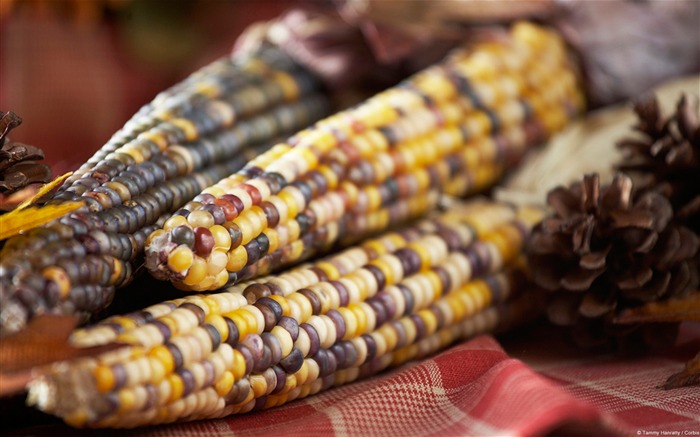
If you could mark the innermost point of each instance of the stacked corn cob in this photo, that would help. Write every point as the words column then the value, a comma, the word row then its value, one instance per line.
column 453, row 128
column 262, row 343
column 188, row 138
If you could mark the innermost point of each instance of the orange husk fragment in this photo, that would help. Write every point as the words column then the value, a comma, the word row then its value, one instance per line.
column 673, row 310
column 22, row 220
column 44, row 341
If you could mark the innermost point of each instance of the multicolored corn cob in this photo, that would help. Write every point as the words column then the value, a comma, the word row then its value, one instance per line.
column 454, row 128
column 262, row 343
column 184, row 141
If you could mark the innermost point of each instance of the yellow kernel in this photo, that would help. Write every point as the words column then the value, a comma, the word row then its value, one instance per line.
column 302, row 374
column 157, row 370
column 180, row 259
column 176, row 387
column 258, row 385
column 224, row 384
column 290, row 202
column 237, row 259
column 423, row 254
column 77, row 418
column 351, row 326
column 222, row 239
column 200, row 218
column 133, row 152
column 213, row 304
column 197, row 272
column 206, row 284
column 155, row 136
column 170, row 323
column 330, row 177
column 240, row 323
column 126, row 400
column 289, row 86
column 284, row 338
column 216, row 263
column 273, row 239
column 289, row 384
column 220, row 280
column 162, row 354
column 104, row 378
column 247, row 226
column 174, row 221
column 187, row 127
column 219, row 323
column 360, row 316
column 214, row 190
column 121, row 189
column 283, row 303
column 250, row 319
column 297, row 248
column 238, row 365
column 60, row 278
column 329, row 269
column 350, row 191
column 155, row 234
column 435, row 284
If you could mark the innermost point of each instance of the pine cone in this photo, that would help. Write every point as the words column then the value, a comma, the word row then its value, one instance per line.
column 666, row 158
column 17, row 166
column 605, row 250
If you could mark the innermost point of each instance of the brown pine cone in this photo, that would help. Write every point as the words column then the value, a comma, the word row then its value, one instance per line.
column 17, row 166
column 666, row 157
column 604, row 250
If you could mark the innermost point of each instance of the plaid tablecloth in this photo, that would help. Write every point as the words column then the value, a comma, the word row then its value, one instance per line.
column 476, row 389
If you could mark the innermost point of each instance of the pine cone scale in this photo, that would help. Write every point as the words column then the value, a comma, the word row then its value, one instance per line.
column 618, row 250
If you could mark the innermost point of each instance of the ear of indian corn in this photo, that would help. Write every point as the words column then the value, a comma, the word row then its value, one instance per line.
column 262, row 343
column 454, row 128
column 188, row 138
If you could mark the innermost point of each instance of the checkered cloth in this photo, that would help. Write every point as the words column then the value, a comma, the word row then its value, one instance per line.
column 477, row 389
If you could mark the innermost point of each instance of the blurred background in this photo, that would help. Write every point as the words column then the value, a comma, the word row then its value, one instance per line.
column 76, row 70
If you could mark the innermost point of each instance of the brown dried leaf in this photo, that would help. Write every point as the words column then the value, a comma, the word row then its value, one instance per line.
column 44, row 190
column 44, row 341
column 672, row 310
column 688, row 376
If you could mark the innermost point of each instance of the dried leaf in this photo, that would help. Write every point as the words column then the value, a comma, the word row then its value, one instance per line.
column 688, row 376
column 44, row 341
column 44, row 190
column 18, row 221
column 673, row 310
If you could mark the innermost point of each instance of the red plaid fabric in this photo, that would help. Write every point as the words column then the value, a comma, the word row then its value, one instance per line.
column 477, row 389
